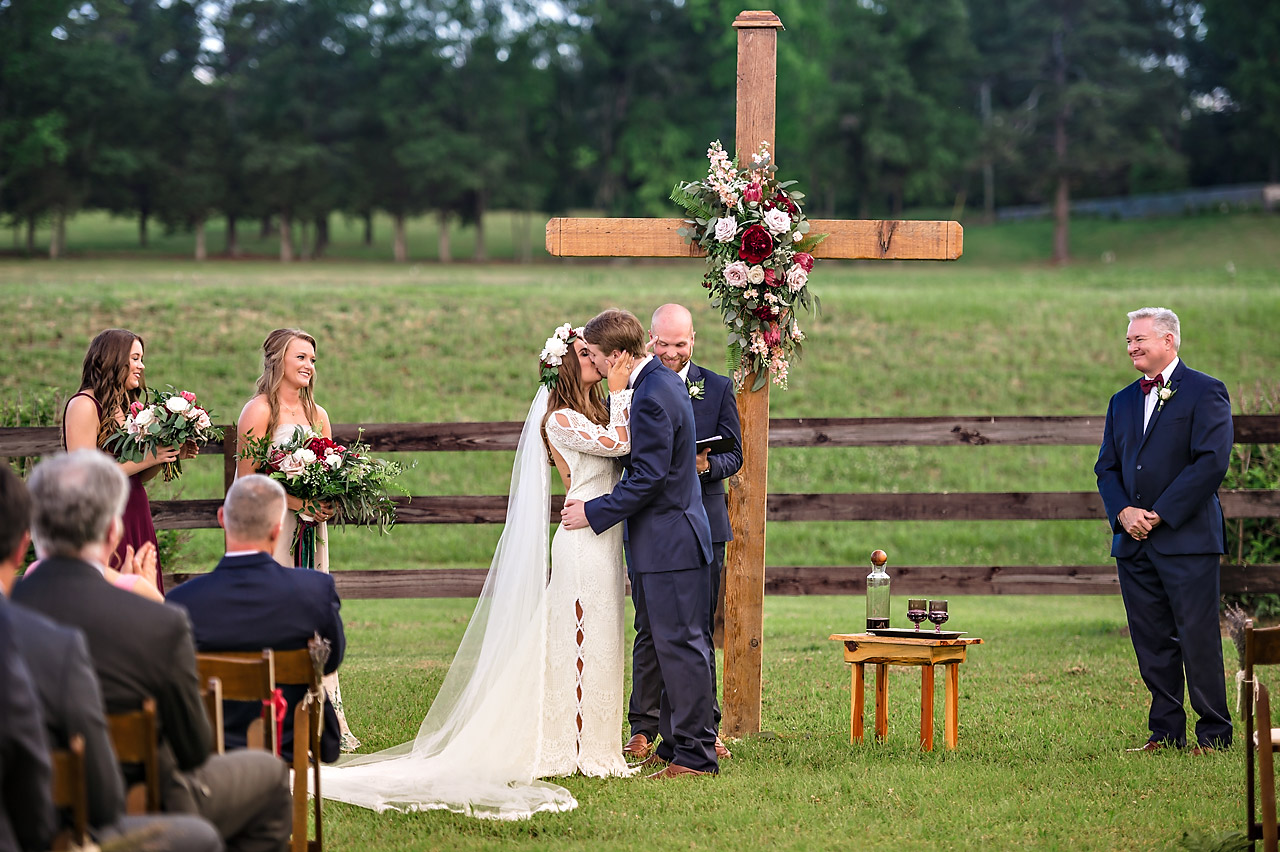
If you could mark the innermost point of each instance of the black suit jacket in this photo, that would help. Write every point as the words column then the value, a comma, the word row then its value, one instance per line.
column 72, row 704
column 140, row 648
column 252, row 602
column 26, row 803
column 715, row 412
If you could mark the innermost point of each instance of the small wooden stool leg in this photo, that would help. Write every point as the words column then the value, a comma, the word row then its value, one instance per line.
column 882, row 701
column 926, row 708
column 856, row 701
column 952, row 711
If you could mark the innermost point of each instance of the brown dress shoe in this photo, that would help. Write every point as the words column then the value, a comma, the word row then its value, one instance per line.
column 722, row 750
column 637, row 748
column 675, row 770
column 1201, row 750
column 1151, row 745
column 652, row 761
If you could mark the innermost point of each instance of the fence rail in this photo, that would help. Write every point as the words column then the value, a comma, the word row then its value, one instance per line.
column 790, row 433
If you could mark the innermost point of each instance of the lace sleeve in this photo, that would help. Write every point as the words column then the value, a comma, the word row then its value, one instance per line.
column 572, row 430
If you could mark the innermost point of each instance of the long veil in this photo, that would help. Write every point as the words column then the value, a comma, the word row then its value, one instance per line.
column 479, row 745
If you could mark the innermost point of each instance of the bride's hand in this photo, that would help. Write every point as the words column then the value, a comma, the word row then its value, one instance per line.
column 620, row 372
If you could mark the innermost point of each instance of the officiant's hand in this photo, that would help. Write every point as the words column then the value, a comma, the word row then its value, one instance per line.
column 574, row 515
column 620, row 372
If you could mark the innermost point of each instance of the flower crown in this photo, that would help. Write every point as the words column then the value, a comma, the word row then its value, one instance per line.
column 553, row 352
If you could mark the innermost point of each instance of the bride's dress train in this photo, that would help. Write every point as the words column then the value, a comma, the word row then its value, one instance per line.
column 499, row 720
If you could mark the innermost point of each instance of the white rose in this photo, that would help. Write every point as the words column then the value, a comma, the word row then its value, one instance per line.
column 726, row 228
column 145, row 418
column 176, row 404
column 735, row 274
column 1165, row 392
column 796, row 278
column 755, row 274
column 292, row 465
column 333, row 460
column 777, row 221
column 553, row 351
column 307, row 456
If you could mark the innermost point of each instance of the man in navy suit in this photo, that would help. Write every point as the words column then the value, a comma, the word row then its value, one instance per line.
column 670, row 542
column 1165, row 449
column 715, row 412
column 250, row 602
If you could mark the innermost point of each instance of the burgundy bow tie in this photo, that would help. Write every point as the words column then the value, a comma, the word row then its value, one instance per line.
column 1147, row 384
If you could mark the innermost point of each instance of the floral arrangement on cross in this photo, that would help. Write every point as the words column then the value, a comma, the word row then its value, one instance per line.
column 758, row 245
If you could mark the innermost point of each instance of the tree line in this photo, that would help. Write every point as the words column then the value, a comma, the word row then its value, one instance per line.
column 280, row 113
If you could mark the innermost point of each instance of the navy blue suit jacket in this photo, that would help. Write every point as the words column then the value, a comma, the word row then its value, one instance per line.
column 716, row 413
column 252, row 602
column 1174, row 469
column 661, row 498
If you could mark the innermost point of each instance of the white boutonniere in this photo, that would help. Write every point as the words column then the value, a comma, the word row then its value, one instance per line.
column 696, row 389
column 1164, row 393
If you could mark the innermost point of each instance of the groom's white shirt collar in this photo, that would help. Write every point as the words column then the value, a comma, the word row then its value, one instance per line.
column 635, row 371
column 684, row 371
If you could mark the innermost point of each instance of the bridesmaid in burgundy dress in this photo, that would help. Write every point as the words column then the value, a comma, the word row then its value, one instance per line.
column 110, row 380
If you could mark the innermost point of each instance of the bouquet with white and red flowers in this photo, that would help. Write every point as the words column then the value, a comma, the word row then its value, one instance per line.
column 163, row 419
column 757, row 241
column 314, row 468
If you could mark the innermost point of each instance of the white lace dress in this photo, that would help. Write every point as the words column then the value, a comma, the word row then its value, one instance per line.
column 583, row 702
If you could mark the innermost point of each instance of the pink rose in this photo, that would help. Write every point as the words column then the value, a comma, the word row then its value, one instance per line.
column 797, row 278
column 805, row 260
column 136, row 406
column 753, row 192
column 735, row 274
column 188, row 396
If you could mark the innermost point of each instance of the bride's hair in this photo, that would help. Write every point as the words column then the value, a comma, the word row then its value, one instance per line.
column 570, row 391
column 273, row 350
column 106, row 371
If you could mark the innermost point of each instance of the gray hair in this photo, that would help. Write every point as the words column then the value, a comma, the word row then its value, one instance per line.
column 1164, row 320
column 252, row 508
column 75, row 497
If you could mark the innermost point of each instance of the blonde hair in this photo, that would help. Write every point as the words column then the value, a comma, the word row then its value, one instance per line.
column 273, row 351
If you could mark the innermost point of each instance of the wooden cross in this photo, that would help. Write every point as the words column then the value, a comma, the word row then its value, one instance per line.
column 862, row 240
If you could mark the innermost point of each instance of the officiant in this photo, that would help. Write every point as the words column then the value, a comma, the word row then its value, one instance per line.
column 715, row 411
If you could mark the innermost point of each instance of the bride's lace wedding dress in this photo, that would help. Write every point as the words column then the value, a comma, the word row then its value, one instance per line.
column 537, row 655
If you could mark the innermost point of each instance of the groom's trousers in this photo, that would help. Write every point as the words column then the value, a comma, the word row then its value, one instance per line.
column 646, row 684
column 676, row 604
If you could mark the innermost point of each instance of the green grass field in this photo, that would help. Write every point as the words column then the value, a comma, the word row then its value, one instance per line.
column 1047, row 704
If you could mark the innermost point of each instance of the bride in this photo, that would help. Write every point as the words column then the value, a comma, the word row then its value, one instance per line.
column 535, row 689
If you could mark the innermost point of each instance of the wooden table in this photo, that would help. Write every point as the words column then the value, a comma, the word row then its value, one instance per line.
column 926, row 652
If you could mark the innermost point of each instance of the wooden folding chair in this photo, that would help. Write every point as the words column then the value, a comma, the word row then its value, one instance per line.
column 70, row 794
column 1261, row 648
column 295, row 668
column 133, row 735
column 211, row 695
column 246, row 676
column 1266, row 769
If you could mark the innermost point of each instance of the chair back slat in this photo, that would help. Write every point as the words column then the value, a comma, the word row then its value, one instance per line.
column 246, row 676
column 134, row 738
column 1266, row 771
column 1261, row 647
column 70, row 793
column 211, row 695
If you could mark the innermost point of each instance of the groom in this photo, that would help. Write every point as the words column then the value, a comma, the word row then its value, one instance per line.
column 671, row 555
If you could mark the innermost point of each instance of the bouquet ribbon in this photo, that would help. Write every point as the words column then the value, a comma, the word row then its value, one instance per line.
column 304, row 543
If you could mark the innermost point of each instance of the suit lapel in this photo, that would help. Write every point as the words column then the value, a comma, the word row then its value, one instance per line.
column 644, row 373
column 1174, row 380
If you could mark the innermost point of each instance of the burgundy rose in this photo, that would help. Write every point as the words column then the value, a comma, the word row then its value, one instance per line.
column 805, row 261
column 756, row 244
column 772, row 335
column 784, row 201
column 275, row 458
column 766, row 312
column 753, row 192
column 771, row 278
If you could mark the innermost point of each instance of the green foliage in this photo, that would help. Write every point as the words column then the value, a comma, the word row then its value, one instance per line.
column 1255, row 541
column 35, row 407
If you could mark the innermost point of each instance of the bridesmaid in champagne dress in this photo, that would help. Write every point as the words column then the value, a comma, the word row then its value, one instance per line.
column 111, row 379
column 284, row 401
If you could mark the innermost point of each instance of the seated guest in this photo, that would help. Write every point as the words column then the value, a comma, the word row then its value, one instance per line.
column 143, row 649
column 71, row 702
column 26, row 801
column 250, row 602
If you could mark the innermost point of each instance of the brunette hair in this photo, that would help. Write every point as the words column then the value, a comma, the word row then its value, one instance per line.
column 616, row 330
column 571, row 392
column 105, row 372
column 273, row 351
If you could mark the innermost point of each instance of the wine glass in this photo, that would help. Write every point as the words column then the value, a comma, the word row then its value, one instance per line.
column 937, row 613
column 917, row 610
